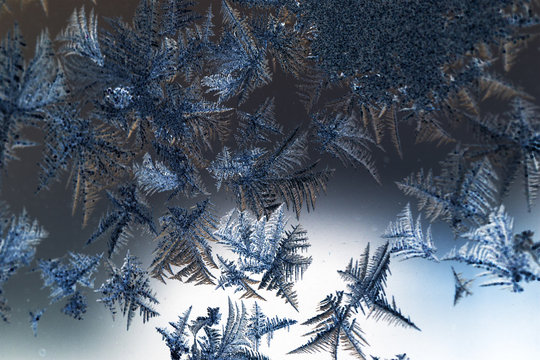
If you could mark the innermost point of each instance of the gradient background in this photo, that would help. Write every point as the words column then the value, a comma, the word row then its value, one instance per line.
column 493, row 324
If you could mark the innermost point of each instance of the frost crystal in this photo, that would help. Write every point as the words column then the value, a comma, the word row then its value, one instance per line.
column 508, row 258
column 407, row 239
column 128, row 288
